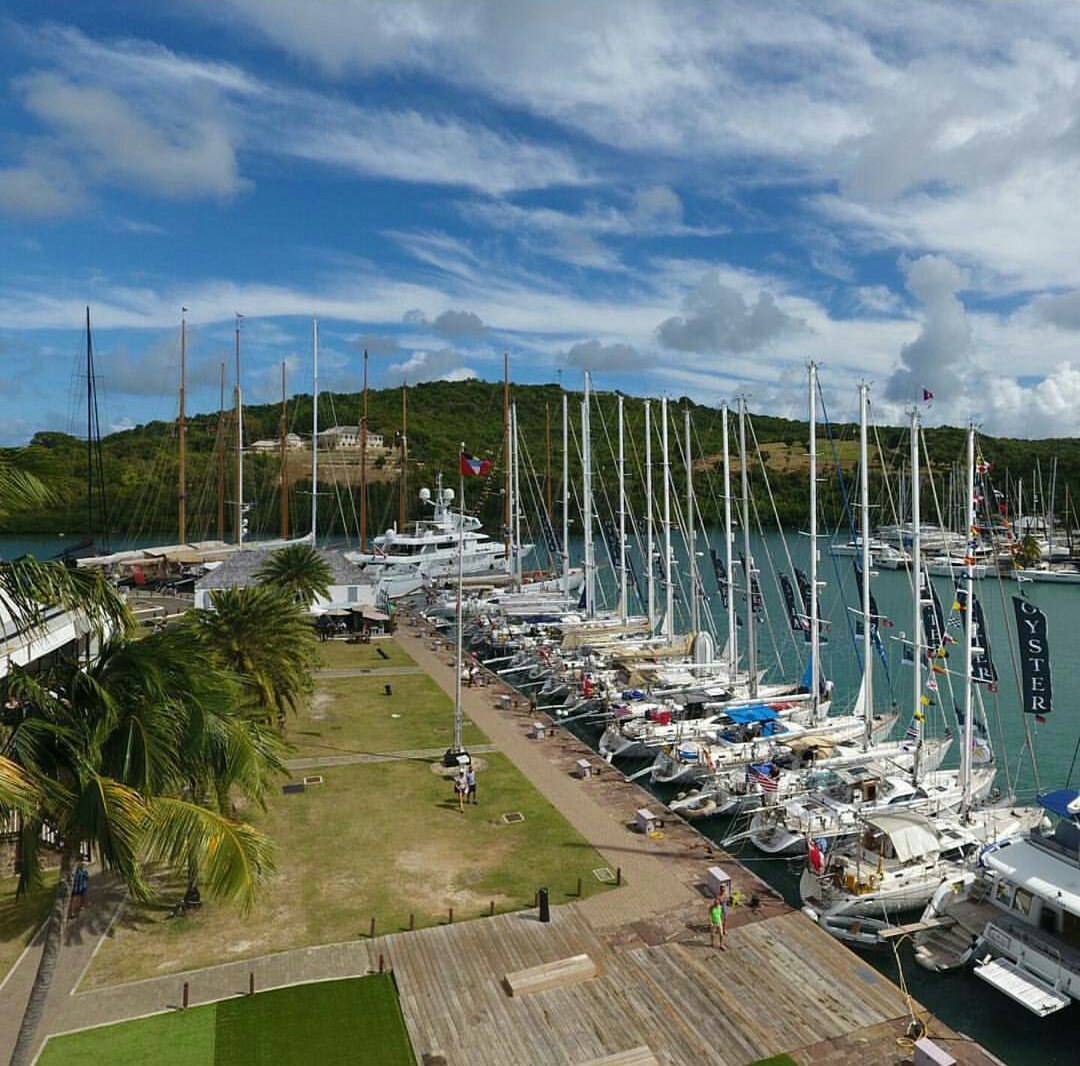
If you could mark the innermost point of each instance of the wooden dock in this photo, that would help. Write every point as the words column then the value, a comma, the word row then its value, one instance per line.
column 780, row 985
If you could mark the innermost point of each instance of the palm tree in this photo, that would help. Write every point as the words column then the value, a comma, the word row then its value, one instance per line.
column 264, row 638
column 299, row 570
column 106, row 749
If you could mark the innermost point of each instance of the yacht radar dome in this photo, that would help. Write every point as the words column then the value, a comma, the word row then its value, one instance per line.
column 425, row 495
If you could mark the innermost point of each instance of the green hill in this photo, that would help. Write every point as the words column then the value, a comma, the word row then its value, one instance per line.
column 140, row 464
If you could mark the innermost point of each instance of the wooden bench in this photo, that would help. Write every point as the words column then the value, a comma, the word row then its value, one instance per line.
column 636, row 1056
column 556, row 974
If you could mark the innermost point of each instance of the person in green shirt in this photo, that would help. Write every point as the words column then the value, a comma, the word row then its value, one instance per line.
column 717, row 923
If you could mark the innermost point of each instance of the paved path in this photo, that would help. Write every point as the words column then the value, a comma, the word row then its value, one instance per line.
column 425, row 754
column 81, row 939
column 363, row 671
column 650, row 886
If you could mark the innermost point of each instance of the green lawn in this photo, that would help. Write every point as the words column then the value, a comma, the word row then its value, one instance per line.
column 20, row 919
column 381, row 840
column 337, row 655
column 354, row 714
column 356, row 1021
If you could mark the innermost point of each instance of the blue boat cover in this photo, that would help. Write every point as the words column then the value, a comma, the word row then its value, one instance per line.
column 1057, row 802
column 745, row 715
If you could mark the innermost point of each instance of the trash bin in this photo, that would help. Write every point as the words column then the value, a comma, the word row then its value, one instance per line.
column 545, row 907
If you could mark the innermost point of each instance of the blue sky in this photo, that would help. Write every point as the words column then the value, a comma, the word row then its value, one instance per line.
column 688, row 198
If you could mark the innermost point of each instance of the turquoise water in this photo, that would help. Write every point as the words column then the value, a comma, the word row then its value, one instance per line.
column 960, row 999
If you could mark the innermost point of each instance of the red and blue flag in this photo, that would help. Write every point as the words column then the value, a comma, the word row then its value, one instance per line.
column 473, row 467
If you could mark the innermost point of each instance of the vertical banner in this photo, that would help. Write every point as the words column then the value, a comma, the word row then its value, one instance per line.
column 1036, row 685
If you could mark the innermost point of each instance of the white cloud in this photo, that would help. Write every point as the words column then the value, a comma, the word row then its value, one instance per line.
column 940, row 356
column 136, row 114
column 718, row 319
column 592, row 355
column 452, row 324
column 442, row 365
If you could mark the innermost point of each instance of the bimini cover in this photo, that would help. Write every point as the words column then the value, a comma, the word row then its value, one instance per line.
column 1064, row 802
column 911, row 834
column 746, row 715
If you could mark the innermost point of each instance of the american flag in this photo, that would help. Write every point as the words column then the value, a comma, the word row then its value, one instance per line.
column 912, row 732
column 759, row 772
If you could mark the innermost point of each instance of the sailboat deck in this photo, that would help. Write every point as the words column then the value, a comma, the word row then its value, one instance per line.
column 781, row 984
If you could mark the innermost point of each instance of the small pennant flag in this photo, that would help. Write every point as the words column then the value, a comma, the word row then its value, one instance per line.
column 473, row 467
column 927, row 395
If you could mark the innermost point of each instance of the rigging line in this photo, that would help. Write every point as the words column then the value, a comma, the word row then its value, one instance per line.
column 955, row 579
column 1014, row 653
column 577, row 500
column 846, row 611
column 333, row 467
column 783, row 540
column 639, row 538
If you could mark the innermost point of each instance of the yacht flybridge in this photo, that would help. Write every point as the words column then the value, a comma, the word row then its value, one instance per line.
column 403, row 562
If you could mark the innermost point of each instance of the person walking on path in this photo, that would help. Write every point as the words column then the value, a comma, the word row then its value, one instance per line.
column 470, row 781
column 717, row 923
column 78, row 890
column 461, row 787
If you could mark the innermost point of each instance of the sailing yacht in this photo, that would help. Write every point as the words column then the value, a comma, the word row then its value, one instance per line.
column 901, row 857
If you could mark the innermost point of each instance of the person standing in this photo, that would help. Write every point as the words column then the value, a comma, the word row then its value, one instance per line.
column 79, row 883
column 717, row 923
column 461, row 787
column 470, row 782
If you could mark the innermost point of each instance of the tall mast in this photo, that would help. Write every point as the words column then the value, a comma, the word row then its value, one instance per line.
column 669, row 587
column 565, row 497
column 691, row 532
column 622, row 516
column 239, row 441
column 511, row 510
column 284, row 490
column 89, row 429
column 363, row 462
column 506, row 458
column 969, row 577
column 815, row 636
column 751, row 624
column 733, row 632
column 916, row 569
column 547, row 477
column 314, row 429
column 587, row 503
column 864, row 533
column 456, row 743
column 182, row 430
column 517, row 492
column 403, row 483
column 650, row 547
column 221, row 459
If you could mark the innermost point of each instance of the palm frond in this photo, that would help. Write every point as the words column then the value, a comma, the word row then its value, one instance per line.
column 29, row 587
column 232, row 858
column 19, row 490
column 17, row 789
column 113, row 818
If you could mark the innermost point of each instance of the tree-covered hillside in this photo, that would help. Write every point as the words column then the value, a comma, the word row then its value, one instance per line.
column 141, row 481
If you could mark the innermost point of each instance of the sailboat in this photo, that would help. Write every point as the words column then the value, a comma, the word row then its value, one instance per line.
column 899, row 858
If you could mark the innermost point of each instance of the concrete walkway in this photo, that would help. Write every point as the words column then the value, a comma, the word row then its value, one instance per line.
column 81, row 939
column 650, row 886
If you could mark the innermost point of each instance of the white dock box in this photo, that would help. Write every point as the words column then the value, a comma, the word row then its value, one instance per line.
column 927, row 1053
column 647, row 821
column 583, row 768
column 539, row 730
column 719, row 882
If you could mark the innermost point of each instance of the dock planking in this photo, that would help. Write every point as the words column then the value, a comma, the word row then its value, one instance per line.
column 782, row 984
